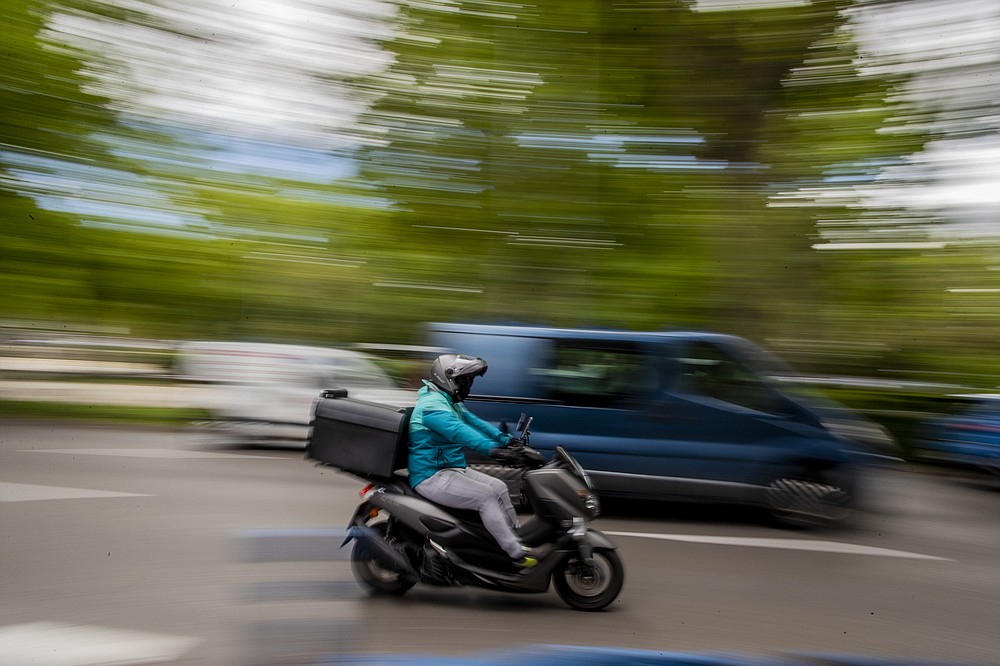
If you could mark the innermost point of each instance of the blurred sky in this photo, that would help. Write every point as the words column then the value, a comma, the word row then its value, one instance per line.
column 951, row 49
column 249, row 80
column 249, row 68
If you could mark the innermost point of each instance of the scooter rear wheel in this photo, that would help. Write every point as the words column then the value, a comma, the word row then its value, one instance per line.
column 372, row 574
column 590, row 588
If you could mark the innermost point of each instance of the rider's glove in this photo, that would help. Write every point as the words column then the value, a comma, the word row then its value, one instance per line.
column 511, row 457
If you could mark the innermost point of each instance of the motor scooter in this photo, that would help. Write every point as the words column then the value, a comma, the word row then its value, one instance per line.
column 401, row 538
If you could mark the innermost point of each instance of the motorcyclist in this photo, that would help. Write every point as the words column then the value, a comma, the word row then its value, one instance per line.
column 440, row 427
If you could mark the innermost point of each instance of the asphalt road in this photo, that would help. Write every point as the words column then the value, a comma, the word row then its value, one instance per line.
column 146, row 546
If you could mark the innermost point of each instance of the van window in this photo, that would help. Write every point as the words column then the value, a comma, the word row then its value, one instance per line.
column 595, row 374
column 713, row 371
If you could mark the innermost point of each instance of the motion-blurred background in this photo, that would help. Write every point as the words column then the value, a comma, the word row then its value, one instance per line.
column 820, row 177
column 212, row 209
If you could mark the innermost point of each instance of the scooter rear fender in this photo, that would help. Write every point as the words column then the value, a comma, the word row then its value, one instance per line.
column 379, row 548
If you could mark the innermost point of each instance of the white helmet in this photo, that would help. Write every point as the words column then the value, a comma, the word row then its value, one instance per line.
column 454, row 374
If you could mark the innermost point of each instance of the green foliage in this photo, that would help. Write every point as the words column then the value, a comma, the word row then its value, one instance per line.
column 23, row 409
column 46, row 119
column 604, row 164
column 584, row 163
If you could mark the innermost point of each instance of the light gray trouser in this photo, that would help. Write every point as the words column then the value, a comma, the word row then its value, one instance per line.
column 469, row 489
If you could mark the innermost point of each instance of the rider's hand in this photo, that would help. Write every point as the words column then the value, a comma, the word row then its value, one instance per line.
column 505, row 454
column 516, row 443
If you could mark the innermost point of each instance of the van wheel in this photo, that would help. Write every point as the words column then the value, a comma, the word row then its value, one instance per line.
column 372, row 574
column 809, row 500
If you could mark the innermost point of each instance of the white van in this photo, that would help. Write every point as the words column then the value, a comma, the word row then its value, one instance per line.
column 266, row 391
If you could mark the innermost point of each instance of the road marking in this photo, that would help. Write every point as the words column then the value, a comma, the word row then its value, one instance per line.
column 787, row 544
column 61, row 644
column 149, row 453
column 26, row 492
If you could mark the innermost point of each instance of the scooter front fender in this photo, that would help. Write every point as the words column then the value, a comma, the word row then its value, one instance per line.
column 598, row 539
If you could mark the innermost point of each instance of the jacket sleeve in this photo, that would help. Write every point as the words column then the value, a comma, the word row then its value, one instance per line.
column 448, row 424
column 498, row 437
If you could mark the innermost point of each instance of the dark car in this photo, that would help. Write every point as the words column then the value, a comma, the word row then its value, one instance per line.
column 970, row 438
column 673, row 415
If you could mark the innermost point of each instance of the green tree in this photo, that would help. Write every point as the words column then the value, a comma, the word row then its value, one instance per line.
column 588, row 162
column 45, row 130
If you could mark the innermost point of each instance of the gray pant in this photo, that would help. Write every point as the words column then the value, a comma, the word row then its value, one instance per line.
column 469, row 489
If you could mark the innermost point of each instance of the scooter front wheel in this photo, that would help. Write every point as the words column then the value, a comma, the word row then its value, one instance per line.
column 372, row 574
column 590, row 588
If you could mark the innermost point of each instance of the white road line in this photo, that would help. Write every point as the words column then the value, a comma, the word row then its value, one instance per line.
column 26, row 492
column 172, row 454
column 61, row 644
column 787, row 544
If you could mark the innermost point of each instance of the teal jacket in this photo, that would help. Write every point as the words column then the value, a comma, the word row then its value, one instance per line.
column 440, row 429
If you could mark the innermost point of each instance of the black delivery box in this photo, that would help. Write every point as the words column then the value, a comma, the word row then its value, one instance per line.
column 364, row 438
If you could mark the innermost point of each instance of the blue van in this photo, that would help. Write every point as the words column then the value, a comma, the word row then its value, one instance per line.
column 673, row 415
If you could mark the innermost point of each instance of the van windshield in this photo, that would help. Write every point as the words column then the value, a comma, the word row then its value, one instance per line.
column 740, row 374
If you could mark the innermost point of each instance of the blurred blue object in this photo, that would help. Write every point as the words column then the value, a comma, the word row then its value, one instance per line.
column 970, row 438
column 573, row 655
column 675, row 415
